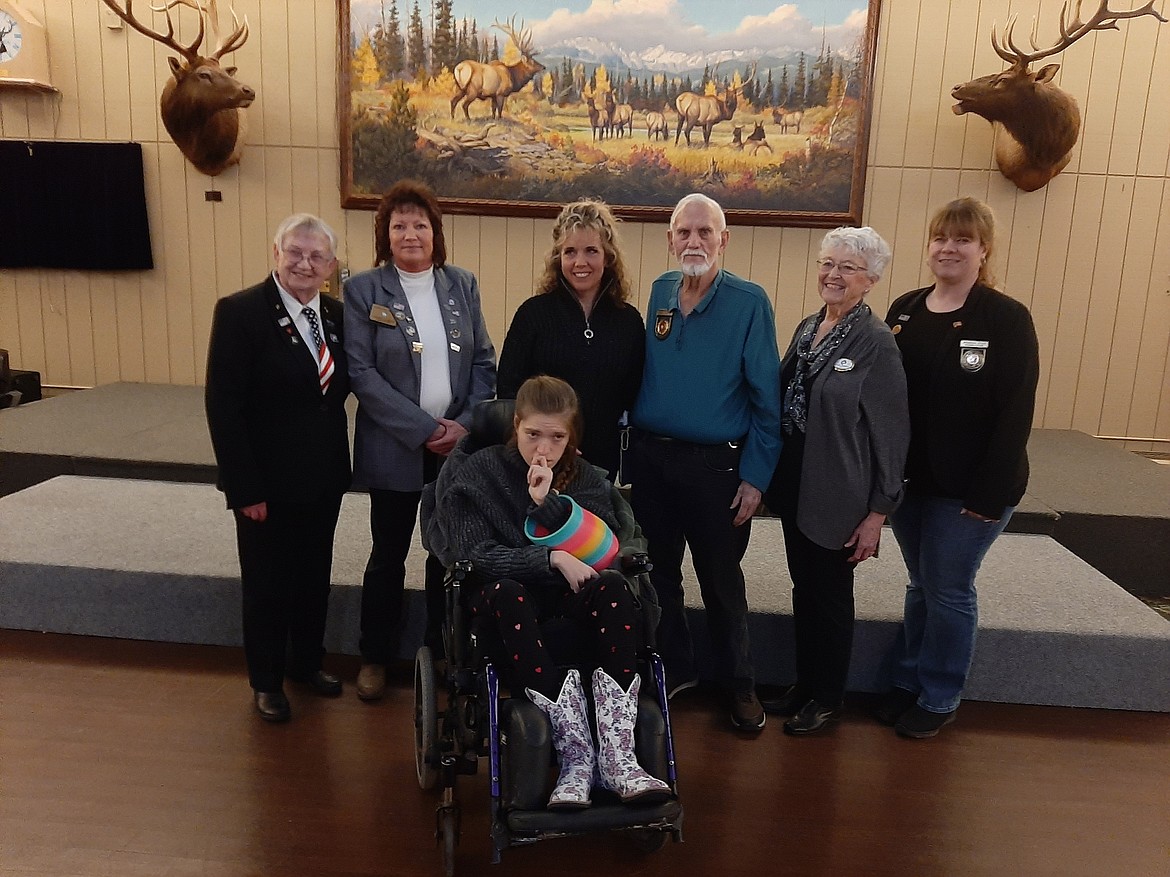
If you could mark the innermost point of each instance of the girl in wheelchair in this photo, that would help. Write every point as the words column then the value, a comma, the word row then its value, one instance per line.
column 537, row 522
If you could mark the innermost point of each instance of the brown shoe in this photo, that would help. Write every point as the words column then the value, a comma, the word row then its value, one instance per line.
column 746, row 712
column 371, row 682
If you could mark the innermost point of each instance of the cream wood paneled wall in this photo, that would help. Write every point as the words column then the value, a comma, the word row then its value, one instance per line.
column 1090, row 253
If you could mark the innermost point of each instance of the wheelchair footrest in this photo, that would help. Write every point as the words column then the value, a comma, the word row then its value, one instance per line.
column 599, row 817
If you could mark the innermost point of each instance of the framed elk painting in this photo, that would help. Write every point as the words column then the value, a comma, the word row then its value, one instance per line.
column 514, row 107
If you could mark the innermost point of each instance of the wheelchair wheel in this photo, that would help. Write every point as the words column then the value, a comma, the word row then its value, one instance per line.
column 448, row 837
column 647, row 840
column 425, row 720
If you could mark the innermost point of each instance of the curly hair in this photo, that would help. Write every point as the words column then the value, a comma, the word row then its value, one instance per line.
column 408, row 195
column 864, row 243
column 587, row 215
column 552, row 397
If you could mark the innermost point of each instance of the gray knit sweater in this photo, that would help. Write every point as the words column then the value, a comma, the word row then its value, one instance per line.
column 478, row 509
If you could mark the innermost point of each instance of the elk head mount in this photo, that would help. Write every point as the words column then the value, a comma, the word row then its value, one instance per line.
column 202, row 104
column 1036, row 124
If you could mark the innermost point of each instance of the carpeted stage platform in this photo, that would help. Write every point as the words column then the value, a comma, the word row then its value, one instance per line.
column 135, row 554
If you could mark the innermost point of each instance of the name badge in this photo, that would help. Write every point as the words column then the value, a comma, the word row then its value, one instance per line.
column 381, row 314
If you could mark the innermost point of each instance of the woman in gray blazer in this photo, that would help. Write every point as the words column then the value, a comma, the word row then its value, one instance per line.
column 419, row 360
column 846, row 430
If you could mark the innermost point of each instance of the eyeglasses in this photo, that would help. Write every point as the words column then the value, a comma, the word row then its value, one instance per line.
column 844, row 268
column 317, row 260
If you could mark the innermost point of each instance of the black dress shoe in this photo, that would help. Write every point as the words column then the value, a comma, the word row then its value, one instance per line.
column 919, row 724
column 322, row 683
column 272, row 706
column 788, row 702
column 894, row 705
column 811, row 718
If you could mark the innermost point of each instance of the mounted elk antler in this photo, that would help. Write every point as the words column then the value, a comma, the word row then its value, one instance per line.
column 1036, row 124
column 495, row 80
column 202, row 104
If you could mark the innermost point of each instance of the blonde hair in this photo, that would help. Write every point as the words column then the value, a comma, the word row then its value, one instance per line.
column 967, row 217
column 587, row 215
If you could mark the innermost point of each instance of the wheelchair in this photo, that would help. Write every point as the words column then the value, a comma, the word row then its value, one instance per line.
column 475, row 720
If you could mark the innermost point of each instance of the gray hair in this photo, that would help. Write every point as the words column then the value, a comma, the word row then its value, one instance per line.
column 305, row 222
column 711, row 204
column 862, row 242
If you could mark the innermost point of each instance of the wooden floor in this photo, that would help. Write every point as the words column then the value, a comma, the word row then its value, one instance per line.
column 124, row 758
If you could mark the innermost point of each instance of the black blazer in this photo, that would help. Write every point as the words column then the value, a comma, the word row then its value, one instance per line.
column 276, row 437
column 980, row 419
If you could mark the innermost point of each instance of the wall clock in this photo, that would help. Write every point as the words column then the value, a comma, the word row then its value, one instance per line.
column 24, row 49
column 11, row 36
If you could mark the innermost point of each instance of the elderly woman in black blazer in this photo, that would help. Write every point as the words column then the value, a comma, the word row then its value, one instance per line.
column 846, row 429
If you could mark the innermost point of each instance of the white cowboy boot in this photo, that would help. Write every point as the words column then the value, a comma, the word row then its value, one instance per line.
column 617, row 766
column 572, row 741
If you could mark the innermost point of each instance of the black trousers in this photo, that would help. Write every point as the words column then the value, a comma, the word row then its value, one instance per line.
column 681, row 497
column 604, row 603
column 822, row 613
column 285, row 566
column 392, row 518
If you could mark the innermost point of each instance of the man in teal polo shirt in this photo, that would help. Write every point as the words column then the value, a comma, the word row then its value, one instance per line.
column 705, row 441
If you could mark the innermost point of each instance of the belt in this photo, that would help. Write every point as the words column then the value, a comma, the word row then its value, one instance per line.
column 683, row 443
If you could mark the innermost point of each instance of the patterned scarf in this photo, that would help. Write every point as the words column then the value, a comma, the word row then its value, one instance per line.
column 809, row 363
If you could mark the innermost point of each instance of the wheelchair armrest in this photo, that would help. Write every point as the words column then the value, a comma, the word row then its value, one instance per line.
column 636, row 564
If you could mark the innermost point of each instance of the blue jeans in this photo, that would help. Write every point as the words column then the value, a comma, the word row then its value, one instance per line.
column 942, row 550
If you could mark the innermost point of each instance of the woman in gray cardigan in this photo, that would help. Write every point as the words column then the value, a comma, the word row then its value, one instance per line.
column 846, row 430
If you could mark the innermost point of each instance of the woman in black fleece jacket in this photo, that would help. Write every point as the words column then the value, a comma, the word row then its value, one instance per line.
column 482, row 502
column 972, row 364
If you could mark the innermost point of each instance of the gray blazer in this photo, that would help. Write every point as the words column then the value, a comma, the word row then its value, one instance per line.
column 857, row 436
column 386, row 373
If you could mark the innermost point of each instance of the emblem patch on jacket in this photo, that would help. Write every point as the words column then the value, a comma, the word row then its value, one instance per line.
column 972, row 355
column 663, row 320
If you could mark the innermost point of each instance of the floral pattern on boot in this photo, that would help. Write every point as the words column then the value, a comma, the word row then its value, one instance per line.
column 617, row 766
column 572, row 741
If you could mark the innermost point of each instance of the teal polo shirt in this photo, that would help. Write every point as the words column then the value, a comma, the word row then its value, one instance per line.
column 714, row 375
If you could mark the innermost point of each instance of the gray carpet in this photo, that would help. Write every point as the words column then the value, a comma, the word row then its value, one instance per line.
column 156, row 560
column 1109, row 507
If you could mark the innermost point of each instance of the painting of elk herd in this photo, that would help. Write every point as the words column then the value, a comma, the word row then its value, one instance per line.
column 513, row 107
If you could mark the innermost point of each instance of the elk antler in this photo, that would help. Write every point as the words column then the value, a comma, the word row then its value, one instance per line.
column 1103, row 19
column 190, row 52
column 523, row 41
column 751, row 76
column 222, row 46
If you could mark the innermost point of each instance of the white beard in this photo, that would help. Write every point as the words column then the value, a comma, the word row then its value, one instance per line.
column 693, row 269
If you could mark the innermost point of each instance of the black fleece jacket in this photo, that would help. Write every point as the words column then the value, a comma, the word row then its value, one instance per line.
column 970, row 443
